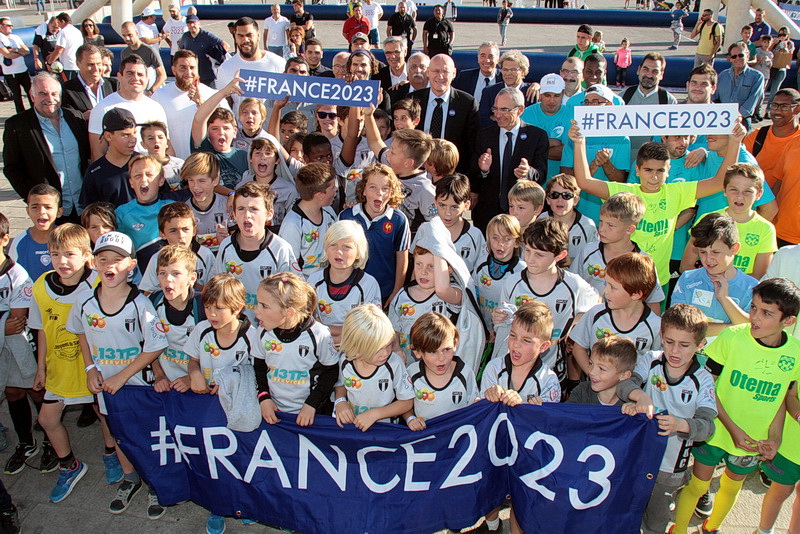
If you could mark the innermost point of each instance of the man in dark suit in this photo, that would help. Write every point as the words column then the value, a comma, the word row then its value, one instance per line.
column 394, row 48
column 29, row 136
column 510, row 150
column 447, row 112
column 514, row 66
column 474, row 81
column 417, row 67
column 89, row 87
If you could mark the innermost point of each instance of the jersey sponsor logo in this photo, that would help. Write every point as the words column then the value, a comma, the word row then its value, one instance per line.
column 96, row 321
column 352, row 382
column 425, row 395
column 486, row 280
column 209, row 240
column 600, row 333
column 383, row 384
column 596, row 271
column 325, row 307
column 786, row 363
column 177, row 356
column 764, row 389
column 407, row 309
column 641, row 343
column 659, row 382
column 561, row 305
column 212, row 349
column 388, row 227
column 162, row 326
column 273, row 345
column 752, row 239
column 233, row 268
column 311, row 236
column 138, row 226
column 523, row 299
column 656, row 228
column 741, row 262
column 28, row 290
column 52, row 314
column 686, row 395
column 457, row 397
column 304, row 350
column 293, row 377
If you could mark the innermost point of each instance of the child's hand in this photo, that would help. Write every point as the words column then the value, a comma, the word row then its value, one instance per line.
column 365, row 420
column 94, row 381
column 669, row 424
column 645, row 406
column 268, row 409
column 511, row 398
column 742, row 441
column 536, row 401
column 182, row 384
column 344, row 414
column 198, row 383
column 214, row 389
column 499, row 316
column 113, row 384
column 222, row 231
column 767, row 449
column 306, row 415
column 15, row 325
column 720, row 286
column 629, row 408
column 417, row 424
column 280, row 104
column 574, row 133
column 494, row 393
column 38, row 381
column 695, row 158
column 161, row 385
column 739, row 131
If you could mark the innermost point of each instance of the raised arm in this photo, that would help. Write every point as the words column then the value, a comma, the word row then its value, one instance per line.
column 204, row 110
column 372, row 133
column 713, row 185
column 586, row 182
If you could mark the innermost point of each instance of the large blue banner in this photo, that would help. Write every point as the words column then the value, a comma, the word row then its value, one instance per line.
column 568, row 468
column 310, row 89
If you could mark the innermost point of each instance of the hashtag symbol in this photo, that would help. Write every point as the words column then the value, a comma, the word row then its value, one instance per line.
column 165, row 442
column 250, row 84
column 587, row 123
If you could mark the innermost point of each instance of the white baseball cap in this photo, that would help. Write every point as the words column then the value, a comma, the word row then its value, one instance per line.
column 147, row 12
column 601, row 90
column 552, row 83
column 116, row 241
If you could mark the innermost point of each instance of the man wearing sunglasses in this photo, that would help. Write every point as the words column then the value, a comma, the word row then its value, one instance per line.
column 740, row 84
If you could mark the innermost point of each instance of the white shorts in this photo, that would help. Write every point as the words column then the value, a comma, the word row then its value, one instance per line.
column 68, row 401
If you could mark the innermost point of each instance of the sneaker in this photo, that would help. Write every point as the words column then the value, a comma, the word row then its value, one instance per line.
column 704, row 505
column 16, row 463
column 704, row 530
column 672, row 48
column 67, row 478
column 765, row 481
column 154, row 509
column 248, row 522
column 215, row 524
column 3, row 437
column 49, row 460
column 114, row 472
column 87, row 417
column 125, row 493
column 9, row 521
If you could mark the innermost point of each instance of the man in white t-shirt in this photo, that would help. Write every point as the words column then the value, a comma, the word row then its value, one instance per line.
column 276, row 32
column 373, row 11
column 14, row 69
column 148, row 31
column 174, row 28
column 132, row 83
column 180, row 100
column 69, row 40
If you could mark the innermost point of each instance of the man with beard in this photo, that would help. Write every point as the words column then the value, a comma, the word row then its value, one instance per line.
column 180, row 100
column 760, row 27
column 394, row 48
column 83, row 92
column 474, row 81
column 401, row 24
column 174, row 27
column 572, row 74
column 740, row 84
column 250, row 57
column 417, row 77
column 156, row 72
column 206, row 47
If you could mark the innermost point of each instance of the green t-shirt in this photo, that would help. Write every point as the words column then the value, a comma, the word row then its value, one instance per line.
column 790, row 444
column 757, row 236
column 655, row 232
column 753, row 382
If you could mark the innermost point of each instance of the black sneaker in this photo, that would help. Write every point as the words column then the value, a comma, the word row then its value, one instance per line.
column 49, row 460
column 16, row 463
column 87, row 417
column 125, row 493
column 765, row 481
column 704, row 505
column 9, row 521
column 154, row 509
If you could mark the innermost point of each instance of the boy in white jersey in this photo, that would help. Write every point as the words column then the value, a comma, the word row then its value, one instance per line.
column 629, row 278
column 176, row 226
column 441, row 381
column 155, row 140
column 567, row 294
column 521, row 376
column 179, row 310
column 200, row 172
column 619, row 216
column 613, row 361
column 119, row 339
column 562, row 195
column 307, row 221
column 252, row 252
column 680, row 386
column 373, row 383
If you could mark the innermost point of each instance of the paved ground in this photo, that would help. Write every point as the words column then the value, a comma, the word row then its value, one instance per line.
column 86, row 508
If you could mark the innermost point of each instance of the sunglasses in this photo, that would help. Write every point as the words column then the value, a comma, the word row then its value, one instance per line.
column 735, row 56
column 326, row 115
column 555, row 195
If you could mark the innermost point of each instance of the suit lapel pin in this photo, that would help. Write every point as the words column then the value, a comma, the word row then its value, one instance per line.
column 452, row 112
column 523, row 136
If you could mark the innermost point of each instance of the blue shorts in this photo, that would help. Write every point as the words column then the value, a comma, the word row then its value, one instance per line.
column 373, row 37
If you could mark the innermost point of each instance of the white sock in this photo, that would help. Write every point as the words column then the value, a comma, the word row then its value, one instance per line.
column 495, row 524
column 762, row 531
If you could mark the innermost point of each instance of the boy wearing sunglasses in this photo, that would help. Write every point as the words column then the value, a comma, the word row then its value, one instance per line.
column 562, row 195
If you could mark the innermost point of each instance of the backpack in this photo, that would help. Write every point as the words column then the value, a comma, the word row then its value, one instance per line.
column 627, row 95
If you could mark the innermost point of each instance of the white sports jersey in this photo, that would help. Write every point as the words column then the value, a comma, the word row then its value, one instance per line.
column 419, row 199
column 16, row 287
column 488, row 279
column 208, row 220
column 540, row 382
column 205, row 270
column 333, row 306
column 429, row 402
column 295, row 363
column 115, row 340
column 680, row 398
column 404, row 312
column 306, row 238
column 178, row 326
column 389, row 382
column 285, row 195
column 569, row 296
column 598, row 323
column 582, row 231
column 251, row 266
column 590, row 264
column 204, row 346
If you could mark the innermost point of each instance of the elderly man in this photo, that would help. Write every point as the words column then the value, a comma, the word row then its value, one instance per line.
column 510, row 150
column 402, row 24
column 156, row 73
column 206, row 47
column 447, row 112
column 174, row 28
column 514, row 66
column 740, row 84
column 394, row 48
column 68, row 41
column 552, row 116
column 438, row 34
column 47, row 144
column 417, row 77
column 572, row 74
column 15, row 71
column 83, row 92
column 474, row 81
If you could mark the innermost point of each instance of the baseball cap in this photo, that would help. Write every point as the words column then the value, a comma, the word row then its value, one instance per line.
column 585, row 28
column 552, row 83
column 116, row 241
column 117, row 119
column 148, row 12
column 192, row 18
column 601, row 90
column 359, row 35
column 174, row 6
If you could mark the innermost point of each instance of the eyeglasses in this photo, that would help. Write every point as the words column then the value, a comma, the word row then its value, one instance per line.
column 326, row 115
column 88, row 25
column 735, row 56
column 555, row 195
column 573, row 72
column 504, row 110
column 781, row 107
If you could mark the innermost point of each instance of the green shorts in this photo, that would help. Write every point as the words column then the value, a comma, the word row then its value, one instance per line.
column 781, row 470
column 710, row 455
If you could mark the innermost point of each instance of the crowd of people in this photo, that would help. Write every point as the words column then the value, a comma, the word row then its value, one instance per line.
column 180, row 228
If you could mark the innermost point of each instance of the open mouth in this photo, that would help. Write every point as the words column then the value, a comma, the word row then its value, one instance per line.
column 247, row 226
column 109, row 275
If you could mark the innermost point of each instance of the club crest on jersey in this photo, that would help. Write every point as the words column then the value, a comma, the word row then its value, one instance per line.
column 265, row 270
column 641, row 343
column 304, row 350
column 576, row 240
column 465, row 252
column 457, row 396
column 383, row 384
column 388, row 227
column 200, row 272
column 219, row 217
column 130, row 325
column 786, row 363
column 686, row 395
column 239, row 355
column 438, row 307
column 561, row 305
column 4, row 291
